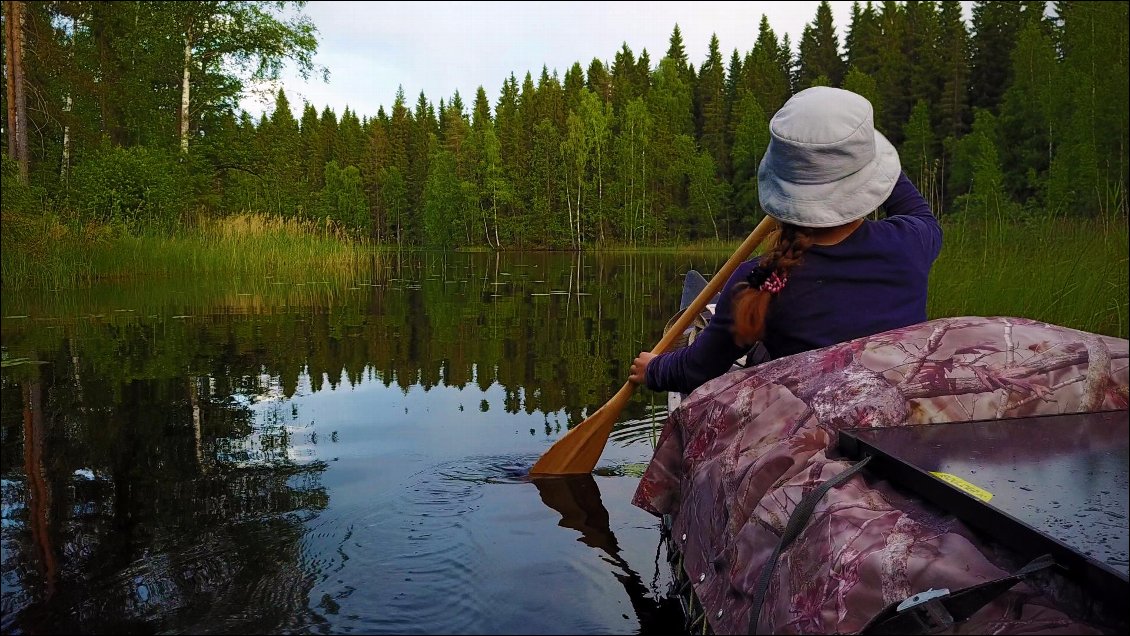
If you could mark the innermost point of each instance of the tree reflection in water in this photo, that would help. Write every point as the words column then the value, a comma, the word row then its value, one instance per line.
column 147, row 505
column 155, row 475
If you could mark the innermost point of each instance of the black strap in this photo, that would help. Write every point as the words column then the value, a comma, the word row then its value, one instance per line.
column 942, row 612
column 797, row 521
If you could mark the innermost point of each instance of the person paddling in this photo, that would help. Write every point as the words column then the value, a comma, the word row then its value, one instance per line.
column 832, row 275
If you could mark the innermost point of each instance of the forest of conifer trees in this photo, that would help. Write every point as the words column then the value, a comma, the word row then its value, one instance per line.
column 126, row 113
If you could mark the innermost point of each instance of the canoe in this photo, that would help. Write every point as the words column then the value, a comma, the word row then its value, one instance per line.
column 993, row 498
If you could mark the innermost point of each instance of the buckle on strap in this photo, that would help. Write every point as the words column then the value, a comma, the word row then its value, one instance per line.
column 921, row 597
column 921, row 613
column 933, row 611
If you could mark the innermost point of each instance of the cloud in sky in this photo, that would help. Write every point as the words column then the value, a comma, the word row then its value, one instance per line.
column 371, row 48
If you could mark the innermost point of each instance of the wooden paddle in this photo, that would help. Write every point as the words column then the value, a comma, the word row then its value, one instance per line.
column 580, row 448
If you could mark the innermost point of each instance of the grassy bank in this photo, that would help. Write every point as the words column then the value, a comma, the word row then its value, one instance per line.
column 1069, row 272
column 46, row 253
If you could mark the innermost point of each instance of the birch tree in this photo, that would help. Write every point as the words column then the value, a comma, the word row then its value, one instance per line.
column 255, row 38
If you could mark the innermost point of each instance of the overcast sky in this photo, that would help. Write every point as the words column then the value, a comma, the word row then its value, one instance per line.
column 371, row 48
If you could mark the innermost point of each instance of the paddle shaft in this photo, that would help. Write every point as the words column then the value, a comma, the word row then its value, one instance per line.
column 714, row 285
column 580, row 448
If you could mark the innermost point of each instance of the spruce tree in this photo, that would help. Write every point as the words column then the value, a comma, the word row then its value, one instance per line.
column 400, row 133
column 765, row 71
column 922, row 49
column 624, row 84
column 513, row 157
column 1028, row 114
column 893, row 76
column 751, row 138
column 455, row 131
column 677, row 53
column 350, row 140
column 995, row 26
column 422, row 135
column 711, row 101
column 313, row 166
column 1089, row 171
column 376, row 160
column 861, row 43
column 574, row 84
column 953, row 120
column 284, row 188
column 551, row 100
column 598, row 80
column 327, row 142
column 643, row 73
column 820, row 50
column 733, row 83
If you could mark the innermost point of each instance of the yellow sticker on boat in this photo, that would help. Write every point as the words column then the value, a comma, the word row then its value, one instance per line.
column 961, row 484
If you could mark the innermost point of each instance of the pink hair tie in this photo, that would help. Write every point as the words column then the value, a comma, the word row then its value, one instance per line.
column 774, row 284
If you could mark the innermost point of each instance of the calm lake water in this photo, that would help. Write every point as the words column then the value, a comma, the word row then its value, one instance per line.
column 334, row 456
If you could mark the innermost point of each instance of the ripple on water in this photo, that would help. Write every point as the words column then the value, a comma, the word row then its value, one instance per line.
column 511, row 469
column 414, row 563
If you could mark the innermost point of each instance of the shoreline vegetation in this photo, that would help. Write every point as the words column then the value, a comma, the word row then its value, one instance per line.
column 126, row 158
column 1067, row 271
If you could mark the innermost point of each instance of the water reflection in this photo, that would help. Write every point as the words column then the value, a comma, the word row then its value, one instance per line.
column 577, row 499
column 124, row 515
column 247, row 455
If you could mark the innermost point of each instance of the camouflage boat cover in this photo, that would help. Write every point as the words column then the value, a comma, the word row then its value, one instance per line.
column 735, row 459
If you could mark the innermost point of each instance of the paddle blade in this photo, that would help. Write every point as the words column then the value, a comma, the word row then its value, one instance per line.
column 580, row 448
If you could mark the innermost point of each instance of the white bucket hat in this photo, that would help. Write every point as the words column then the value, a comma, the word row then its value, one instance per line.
column 826, row 165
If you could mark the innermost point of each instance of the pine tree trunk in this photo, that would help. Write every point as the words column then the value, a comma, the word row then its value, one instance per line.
column 21, row 97
column 39, row 488
column 16, row 75
column 9, row 76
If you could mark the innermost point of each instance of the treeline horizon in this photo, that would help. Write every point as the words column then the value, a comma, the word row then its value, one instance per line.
column 1020, row 114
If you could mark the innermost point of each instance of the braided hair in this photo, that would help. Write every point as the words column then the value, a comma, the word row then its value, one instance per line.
column 751, row 301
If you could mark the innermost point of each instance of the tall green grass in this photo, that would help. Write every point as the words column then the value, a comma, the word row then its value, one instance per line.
column 46, row 253
column 1069, row 272
column 1066, row 271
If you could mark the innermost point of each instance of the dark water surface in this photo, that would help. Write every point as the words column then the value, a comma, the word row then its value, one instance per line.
column 338, row 456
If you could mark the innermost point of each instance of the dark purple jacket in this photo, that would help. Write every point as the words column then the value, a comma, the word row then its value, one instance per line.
column 872, row 281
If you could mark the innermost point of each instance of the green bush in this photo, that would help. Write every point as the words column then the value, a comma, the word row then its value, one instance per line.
column 19, row 198
column 141, row 188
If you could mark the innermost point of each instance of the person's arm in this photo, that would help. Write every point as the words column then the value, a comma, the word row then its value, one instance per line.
column 711, row 354
column 907, row 211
